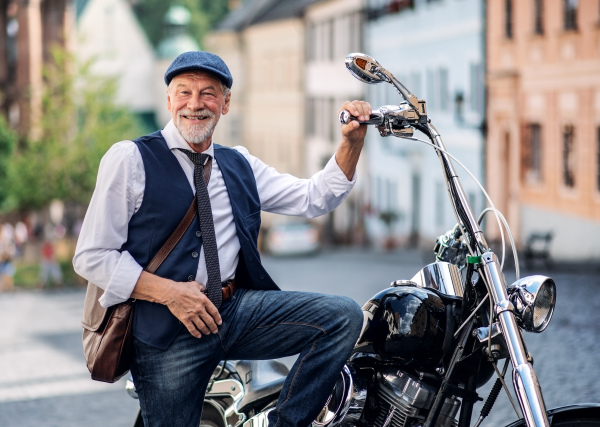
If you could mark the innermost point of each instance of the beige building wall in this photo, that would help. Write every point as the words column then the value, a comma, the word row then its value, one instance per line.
column 228, row 45
column 267, row 103
column 275, row 99
column 543, row 87
column 267, row 97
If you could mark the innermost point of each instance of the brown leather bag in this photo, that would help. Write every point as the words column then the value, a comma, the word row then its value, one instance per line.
column 107, row 335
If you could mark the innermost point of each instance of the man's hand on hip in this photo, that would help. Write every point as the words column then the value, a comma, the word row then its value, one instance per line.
column 193, row 308
column 186, row 300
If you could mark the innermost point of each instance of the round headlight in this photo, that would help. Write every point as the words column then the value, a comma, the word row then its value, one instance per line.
column 534, row 298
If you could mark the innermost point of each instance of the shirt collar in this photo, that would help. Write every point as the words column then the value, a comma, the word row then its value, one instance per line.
column 176, row 141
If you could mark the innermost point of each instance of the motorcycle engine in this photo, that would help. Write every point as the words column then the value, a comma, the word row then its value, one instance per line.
column 404, row 401
column 396, row 399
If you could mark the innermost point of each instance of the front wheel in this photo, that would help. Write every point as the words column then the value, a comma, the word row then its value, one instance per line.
column 585, row 422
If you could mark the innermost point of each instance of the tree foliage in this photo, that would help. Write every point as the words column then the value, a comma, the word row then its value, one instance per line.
column 205, row 14
column 7, row 143
column 79, row 122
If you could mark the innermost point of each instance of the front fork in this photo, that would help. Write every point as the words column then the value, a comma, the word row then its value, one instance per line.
column 525, row 381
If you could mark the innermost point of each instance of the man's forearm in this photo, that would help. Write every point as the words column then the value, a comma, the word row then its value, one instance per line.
column 353, row 137
column 347, row 156
column 153, row 288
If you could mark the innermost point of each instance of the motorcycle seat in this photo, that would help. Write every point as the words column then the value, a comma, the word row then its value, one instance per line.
column 263, row 380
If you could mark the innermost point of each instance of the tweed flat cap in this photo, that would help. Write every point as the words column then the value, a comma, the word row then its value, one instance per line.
column 201, row 61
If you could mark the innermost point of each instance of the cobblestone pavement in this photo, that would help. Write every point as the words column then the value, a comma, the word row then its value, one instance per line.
column 44, row 381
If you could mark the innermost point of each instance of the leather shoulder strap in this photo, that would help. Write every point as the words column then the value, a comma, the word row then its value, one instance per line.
column 173, row 239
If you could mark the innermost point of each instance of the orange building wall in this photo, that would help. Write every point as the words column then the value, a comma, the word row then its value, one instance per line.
column 551, row 79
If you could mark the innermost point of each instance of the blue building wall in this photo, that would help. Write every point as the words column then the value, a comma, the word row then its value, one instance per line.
column 436, row 49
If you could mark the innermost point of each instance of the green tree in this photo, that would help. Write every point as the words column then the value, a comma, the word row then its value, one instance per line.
column 205, row 14
column 79, row 123
column 7, row 143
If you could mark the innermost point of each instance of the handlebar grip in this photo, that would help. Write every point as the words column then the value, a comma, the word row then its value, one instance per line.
column 345, row 117
column 376, row 118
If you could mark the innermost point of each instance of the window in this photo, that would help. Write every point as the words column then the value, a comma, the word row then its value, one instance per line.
column 440, row 203
column 476, row 87
column 508, row 19
column 568, row 167
column 570, row 14
column 531, row 154
column 538, row 14
column 444, row 104
column 332, row 39
column 321, row 118
column 431, row 90
column 379, row 8
column 311, row 107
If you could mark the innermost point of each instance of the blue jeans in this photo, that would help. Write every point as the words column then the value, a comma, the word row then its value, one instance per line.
column 322, row 329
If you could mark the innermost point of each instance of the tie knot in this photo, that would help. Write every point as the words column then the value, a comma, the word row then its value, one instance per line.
column 196, row 158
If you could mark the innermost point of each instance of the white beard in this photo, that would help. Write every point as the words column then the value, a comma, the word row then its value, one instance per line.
column 196, row 133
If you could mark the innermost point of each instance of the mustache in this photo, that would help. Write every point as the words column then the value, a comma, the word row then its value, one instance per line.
column 202, row 114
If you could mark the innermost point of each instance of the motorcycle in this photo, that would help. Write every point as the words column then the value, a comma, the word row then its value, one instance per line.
column 430, row 342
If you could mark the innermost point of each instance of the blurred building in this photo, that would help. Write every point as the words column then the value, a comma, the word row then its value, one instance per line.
column 334, row 28
column 287, row 59
column 263, row 43
column 110, row 37
column 176, row 41
column 543, row 153
column 30, row 29
column 435, row 48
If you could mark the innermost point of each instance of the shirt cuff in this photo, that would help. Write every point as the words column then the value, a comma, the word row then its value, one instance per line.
column 336, row 179
column 122, row 281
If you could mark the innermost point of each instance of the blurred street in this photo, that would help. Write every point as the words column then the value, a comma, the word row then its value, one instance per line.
column 44, row 381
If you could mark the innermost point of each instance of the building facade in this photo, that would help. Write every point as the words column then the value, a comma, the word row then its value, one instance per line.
column 30, row 29
column 435, row 48
column 334, row 28
column 543, row 153
column 102, row 27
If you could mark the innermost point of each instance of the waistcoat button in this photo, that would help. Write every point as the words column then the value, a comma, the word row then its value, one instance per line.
column 198, row 233
column 191, row 278
column 194, row 254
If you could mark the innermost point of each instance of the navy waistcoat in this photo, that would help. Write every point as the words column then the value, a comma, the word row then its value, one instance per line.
column 167, row 196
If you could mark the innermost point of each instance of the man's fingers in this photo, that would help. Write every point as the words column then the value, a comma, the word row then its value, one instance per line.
column 360, row 109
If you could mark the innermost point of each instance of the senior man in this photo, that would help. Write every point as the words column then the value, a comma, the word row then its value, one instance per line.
column 211, row 299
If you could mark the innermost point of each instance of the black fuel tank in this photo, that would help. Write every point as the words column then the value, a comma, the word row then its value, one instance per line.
column 405, row 324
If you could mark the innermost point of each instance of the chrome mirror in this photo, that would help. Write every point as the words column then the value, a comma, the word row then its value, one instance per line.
column 368, row 70
column 365, row 68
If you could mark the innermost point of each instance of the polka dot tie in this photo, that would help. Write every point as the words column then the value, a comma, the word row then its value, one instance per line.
column 207, row 228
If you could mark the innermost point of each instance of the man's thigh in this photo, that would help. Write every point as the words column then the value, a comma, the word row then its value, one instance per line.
column 171, row 383
column 274, row 324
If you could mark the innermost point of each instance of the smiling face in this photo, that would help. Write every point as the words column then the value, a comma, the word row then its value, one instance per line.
column 196, row 102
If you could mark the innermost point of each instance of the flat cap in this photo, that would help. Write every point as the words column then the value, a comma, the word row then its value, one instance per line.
column 199, row 61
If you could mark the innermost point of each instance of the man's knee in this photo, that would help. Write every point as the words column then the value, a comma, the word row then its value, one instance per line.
column 349, row 313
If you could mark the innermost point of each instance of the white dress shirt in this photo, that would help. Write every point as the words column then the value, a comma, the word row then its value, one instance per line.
column 120, row 190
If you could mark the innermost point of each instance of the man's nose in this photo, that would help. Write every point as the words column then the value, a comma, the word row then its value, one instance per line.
column 195, row 102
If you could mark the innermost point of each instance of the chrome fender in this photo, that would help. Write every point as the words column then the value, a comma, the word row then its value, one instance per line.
column 568, row 413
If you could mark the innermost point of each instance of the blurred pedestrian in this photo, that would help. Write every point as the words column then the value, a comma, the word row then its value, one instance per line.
column 50, row 271
column 7, row 272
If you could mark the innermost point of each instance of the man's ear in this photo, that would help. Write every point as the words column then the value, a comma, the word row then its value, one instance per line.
column 168, row 100
column 225, row 108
